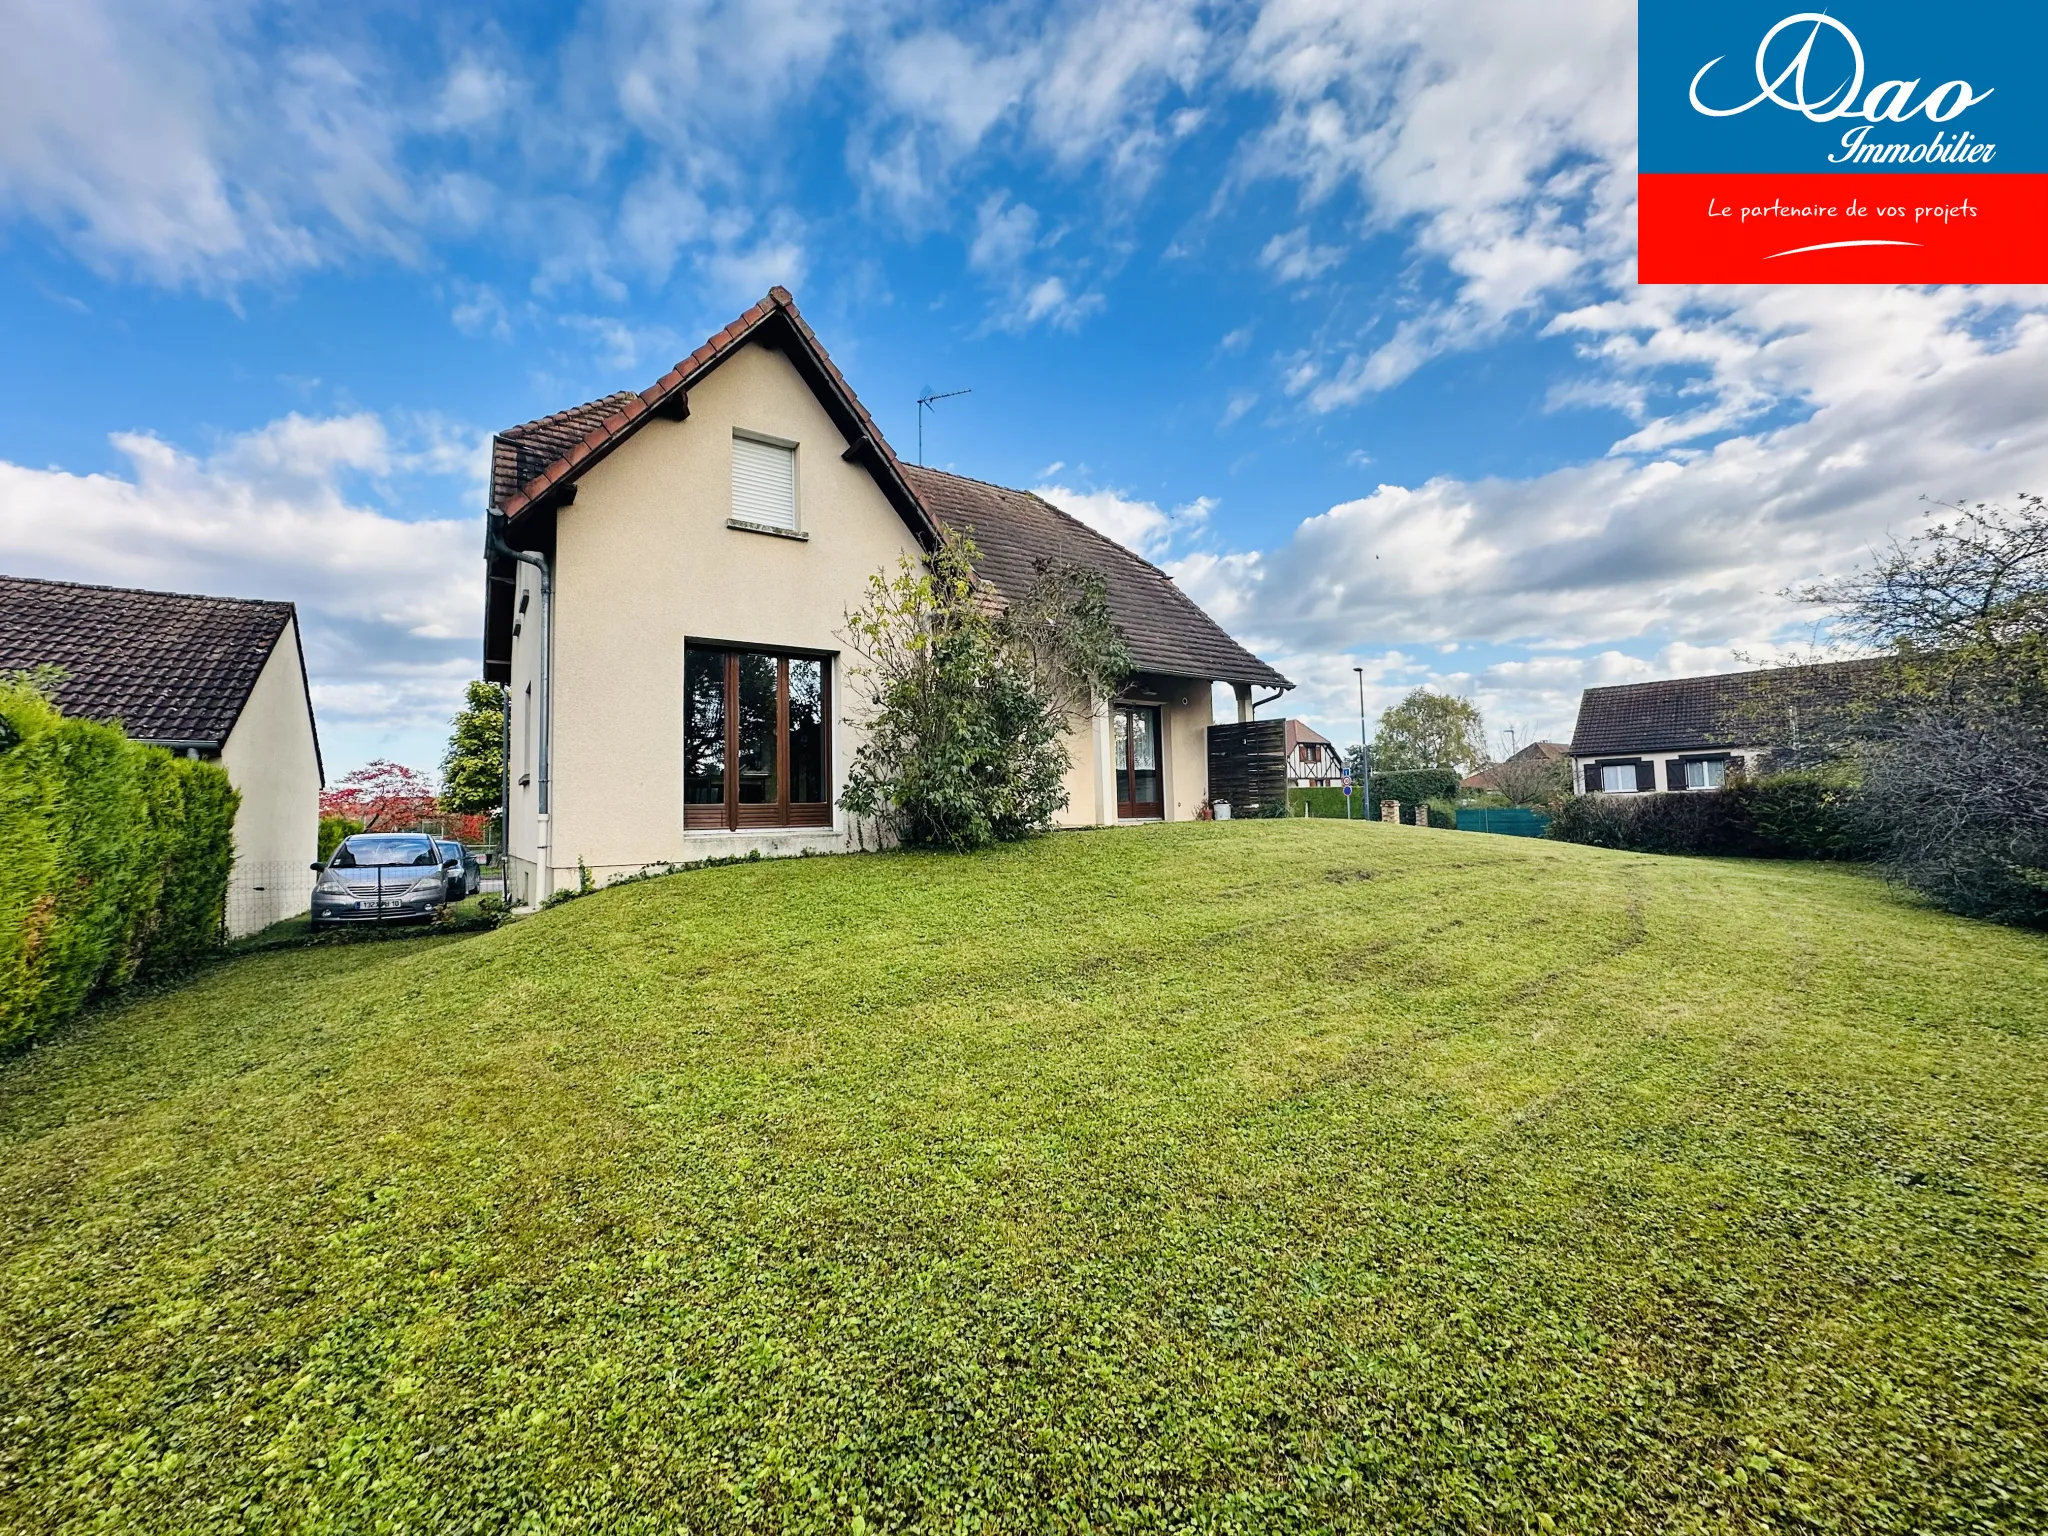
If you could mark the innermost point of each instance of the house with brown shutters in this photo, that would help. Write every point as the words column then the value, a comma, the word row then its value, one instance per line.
column 1313, row 761
column 668, row 574
column 219, row 678
column 1691, row 733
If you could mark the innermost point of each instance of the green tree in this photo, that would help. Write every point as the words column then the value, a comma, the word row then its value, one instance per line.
column 473, row 769
column 1953, row 758
column 1430, row 730
column 966, row 704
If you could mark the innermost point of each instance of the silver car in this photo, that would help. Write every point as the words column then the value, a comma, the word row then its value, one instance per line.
column 382, row 877
column 468, row 878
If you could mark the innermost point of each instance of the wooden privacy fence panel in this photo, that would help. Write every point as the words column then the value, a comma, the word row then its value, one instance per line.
column 1512, row 822
column 1248, row 767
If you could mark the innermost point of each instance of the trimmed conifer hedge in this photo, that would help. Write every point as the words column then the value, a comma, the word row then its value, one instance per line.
column 114, row 862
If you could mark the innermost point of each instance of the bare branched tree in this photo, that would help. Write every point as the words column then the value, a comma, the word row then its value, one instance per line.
column 1955, row 769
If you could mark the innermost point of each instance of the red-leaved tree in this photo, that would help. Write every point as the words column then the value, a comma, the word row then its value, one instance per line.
column 384, row 796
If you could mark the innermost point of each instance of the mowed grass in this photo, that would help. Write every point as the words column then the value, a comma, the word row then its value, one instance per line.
column 1259, row 1177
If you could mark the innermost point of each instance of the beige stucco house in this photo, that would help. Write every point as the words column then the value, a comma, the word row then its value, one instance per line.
column 668, row 578
column 208, row 677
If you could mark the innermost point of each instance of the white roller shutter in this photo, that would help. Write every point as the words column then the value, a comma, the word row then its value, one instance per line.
column 763, row 483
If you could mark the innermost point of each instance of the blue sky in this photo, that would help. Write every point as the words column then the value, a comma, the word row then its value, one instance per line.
column 1326, row 305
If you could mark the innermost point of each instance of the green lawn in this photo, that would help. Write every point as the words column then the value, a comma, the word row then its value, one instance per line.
column 1255, row 1176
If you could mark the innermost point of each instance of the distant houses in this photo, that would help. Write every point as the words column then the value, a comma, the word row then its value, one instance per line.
column 1537, row 752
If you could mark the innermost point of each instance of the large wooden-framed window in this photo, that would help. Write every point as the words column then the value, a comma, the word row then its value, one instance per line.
column 757, row 739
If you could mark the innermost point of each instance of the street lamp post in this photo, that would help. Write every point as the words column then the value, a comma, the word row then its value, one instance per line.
column 1364, row 753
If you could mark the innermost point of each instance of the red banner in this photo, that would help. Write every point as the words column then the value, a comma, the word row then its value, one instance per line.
column 1791, row 228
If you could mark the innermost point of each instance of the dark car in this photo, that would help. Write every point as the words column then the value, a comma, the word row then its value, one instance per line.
column 466, row 881
column 383, row 877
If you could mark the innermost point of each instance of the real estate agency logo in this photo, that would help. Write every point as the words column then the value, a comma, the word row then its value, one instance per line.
column 1858, row 144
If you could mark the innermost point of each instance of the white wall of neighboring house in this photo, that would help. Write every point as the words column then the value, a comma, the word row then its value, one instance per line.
column 1586, row 770
column 272, row 759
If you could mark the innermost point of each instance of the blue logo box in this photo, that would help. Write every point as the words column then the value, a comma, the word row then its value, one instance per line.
column 1863, row 87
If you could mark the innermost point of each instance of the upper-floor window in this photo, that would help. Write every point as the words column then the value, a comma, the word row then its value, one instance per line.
column 764, row 482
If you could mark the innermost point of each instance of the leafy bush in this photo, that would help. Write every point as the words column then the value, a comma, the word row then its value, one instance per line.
column 1697, row 822
column 1805, row 815
column 191, row 844
column 1413, row 787
column 1811, row 814
column 965, row 709
column 116, row 867
column 1323, row 804
column 333, row 828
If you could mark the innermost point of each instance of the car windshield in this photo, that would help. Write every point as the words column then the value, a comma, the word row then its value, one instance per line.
column 450, row 850
column 370, row 852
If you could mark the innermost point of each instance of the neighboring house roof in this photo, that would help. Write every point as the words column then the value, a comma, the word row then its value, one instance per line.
column 172, row 668
column 1166, row 629
column 535, row 466
column 1535, row 752
column 1731, row 709
column 1300, row 733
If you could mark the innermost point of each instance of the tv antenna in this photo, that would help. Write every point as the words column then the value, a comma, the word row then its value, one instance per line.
column 929, row 403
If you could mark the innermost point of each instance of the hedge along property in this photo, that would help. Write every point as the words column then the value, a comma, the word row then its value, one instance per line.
column 668, row 576
column 114, row 861
column 216, row 679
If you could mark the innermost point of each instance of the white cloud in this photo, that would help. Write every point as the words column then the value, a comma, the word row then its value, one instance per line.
column 938, row 79
column 1499, row 134
column 391, row 607
column 1679, row 559
column 1144, row 526
column 1005, row 234
column 1293, row 258
column 156, row 139
column 1005, row 245
column 474, row 96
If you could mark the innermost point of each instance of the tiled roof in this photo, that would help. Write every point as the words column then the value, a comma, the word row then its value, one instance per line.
column 1536, row 751
column 579, row 437
column 520, row 453
column 1731, row 709
column 169, row 667
column 1166, row 630
column 1300, row 731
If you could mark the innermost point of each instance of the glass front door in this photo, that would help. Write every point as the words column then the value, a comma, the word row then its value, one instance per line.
column 1140, row 791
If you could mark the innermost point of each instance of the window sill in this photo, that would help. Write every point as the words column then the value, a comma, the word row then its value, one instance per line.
column 741, row 525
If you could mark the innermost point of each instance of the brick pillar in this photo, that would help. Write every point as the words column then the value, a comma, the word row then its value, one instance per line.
column 1390, row 810
column 1422, row 815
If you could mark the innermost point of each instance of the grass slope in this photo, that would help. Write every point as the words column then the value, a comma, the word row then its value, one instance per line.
column 1281, row 1176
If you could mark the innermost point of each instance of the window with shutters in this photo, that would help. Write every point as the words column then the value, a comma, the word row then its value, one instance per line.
column 1618, row 779
column 1712, row 774
column 763, row 484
